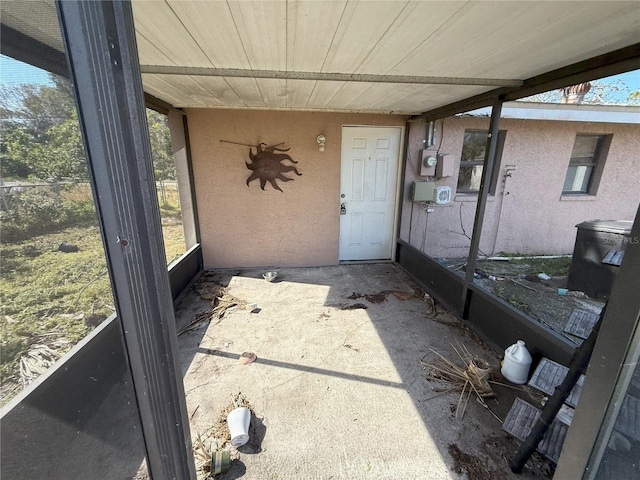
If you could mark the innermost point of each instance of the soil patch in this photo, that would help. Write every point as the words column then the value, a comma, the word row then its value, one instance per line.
column 470, row 465
column 381, row 296
column 517, row 283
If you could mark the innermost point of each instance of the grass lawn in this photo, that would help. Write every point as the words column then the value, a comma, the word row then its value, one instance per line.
column 53, row 299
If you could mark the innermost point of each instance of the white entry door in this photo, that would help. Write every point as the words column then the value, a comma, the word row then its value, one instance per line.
column 370, row 157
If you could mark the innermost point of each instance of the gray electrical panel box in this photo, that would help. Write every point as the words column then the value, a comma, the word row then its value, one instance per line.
column 423, row 191
column 444, row 167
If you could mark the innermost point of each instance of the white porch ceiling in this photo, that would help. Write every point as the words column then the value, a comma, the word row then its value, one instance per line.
column 348, row 55
column 464, row 42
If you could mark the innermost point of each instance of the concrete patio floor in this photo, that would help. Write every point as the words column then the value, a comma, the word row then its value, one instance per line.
column 338, row 390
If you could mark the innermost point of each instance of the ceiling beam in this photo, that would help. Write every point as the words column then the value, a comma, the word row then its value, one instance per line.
column 325, row 76
column 619, row 61
column 159, row 105
column 27, row 49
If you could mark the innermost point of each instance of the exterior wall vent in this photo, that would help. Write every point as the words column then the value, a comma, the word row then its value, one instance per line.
column 443, row 195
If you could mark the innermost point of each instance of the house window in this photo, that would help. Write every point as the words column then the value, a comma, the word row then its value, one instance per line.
column 472, row 161
column 586, row 164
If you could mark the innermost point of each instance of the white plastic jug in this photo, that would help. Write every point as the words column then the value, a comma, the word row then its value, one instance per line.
column 516, row 364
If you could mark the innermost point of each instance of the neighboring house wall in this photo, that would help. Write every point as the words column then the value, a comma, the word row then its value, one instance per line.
column 528, row 213
column 244, row 226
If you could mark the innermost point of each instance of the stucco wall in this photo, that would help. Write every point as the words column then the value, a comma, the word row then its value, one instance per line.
column 244, row 226
column 527, row 214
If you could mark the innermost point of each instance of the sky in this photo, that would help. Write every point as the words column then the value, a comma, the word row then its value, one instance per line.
column 631, row 79
column 13, row 72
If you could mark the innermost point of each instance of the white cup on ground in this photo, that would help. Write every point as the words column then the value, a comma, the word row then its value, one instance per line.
column 238, row 422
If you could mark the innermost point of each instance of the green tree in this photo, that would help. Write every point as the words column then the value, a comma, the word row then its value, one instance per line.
column 40, row 134
column 164, row 167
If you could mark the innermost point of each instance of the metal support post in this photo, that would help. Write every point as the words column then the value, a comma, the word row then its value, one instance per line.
column 100, row 42
column 485, row 183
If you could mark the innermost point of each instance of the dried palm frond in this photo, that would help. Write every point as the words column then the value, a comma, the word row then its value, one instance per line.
column 222, row 303
column 39, row 358
column 472, row 378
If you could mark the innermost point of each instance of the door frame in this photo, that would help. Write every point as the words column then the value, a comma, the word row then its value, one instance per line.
column 397, row 196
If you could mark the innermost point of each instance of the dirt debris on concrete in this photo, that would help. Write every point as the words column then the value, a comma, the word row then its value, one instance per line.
column 315, row 381
column 355, row 306
column 497, row 450
column 222, row 302
column 381, row 296
column 217, row 437
column 470, row 465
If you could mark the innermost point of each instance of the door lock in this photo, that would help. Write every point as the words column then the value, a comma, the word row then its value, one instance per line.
column 343, row 209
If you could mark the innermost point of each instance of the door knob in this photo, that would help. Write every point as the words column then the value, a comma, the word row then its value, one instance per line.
column 343, row 209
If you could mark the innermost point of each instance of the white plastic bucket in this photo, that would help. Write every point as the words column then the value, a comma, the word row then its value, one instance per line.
column 516, row 364
column 238, row 421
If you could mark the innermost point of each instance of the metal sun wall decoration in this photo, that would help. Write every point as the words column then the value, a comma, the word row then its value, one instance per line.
column 267, row 166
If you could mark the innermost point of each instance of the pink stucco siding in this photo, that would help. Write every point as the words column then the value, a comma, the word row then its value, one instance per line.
column 244, row 226
column 528, row 214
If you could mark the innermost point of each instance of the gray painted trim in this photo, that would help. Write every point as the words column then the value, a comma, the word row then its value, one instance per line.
column 101, row 49
column 440, row 282
column 502, row 324
column 192, row 183
column 182, row 273
column 565, row 112
column 184, row 174
column 485, row 186
column 325, row 76
column 98, row 355
column 160, row 106
column 46, row 416
column 27, row 49
column 612, row 363
column 490, row 317
column 619, row 61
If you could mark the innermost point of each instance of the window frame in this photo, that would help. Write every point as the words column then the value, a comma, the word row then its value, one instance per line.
column 599, row 159
column 493, row 183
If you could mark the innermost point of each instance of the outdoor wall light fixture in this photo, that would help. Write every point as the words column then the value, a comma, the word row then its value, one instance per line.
column 321, row 140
